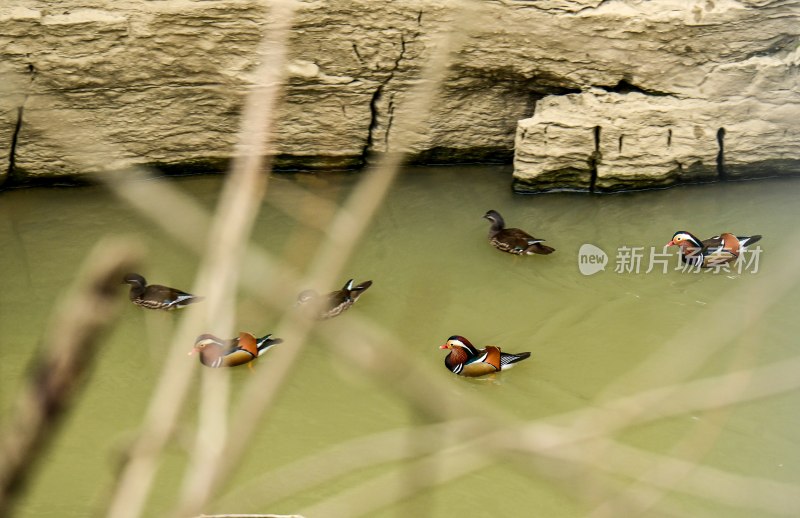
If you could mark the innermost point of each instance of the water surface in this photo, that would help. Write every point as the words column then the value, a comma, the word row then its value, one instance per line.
column 435, row 275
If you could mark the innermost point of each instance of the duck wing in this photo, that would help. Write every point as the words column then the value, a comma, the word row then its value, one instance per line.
column 164, row 297
column 516, row 233
column 265, row 342
column 237, row 357
column 507, row 359
column 243, row 349
column 486, row 361
column 748, row 240
column 356, row 291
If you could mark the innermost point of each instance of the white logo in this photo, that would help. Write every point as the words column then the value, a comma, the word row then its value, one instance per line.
column 591, row 259
column 634, row 259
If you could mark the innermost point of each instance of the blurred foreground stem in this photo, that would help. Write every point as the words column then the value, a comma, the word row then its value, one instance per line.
column 58, row 371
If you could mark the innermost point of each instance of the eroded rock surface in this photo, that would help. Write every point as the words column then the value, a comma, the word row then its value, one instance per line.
column 726, row 108
column 613, row 94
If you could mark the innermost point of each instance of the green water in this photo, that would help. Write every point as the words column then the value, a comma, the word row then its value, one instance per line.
column 434, row 275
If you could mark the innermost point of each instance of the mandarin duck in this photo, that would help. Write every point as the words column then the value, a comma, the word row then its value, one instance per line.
column 714, row 251
column 467, row 360
column 335, row 302
column 513, row 240
column 155, row 296
column 216, row 352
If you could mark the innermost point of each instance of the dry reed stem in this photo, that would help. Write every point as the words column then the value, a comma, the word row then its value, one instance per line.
column 92, row 151
column 218, row 278
column 640, row 495
column 315, row 211
column 694, row 396
column 191, row 224
column 134, row 482
column 59, row 371
column 137, row 474
column 344, row 233
column 658, row 471
column 446, row 465
column 679, row 357
column 227, row 244
column 698, row 441
column 726, row 390
column 551, row 441
column 653, row 470
column 348, row 457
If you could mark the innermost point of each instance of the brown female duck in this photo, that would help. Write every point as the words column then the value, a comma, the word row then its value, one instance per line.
column 335, row 302
column 513, row 240
column 155, row 296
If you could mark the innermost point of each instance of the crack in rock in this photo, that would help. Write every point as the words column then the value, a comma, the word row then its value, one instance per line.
column 12, row 152
column 721, row 155
column 375, row 100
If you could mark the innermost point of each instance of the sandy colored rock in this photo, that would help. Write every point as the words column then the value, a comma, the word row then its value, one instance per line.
column 164, row 83
column 728, row 116
column 610, row 141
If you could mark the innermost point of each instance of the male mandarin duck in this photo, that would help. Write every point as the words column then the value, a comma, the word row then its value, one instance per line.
column 216, row 352
column 714, row 251
column 513, row 240
column 337, row 301
column 155, row 296
column 467, row 360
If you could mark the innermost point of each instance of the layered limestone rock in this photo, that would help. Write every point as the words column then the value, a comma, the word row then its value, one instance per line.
column 164, row 83
column 619, row 90
column 730, row 114
column 608, row 141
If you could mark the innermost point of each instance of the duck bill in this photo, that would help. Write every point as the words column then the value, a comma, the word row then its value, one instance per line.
column 444, row 346
column 671, row 243
column 192, row 352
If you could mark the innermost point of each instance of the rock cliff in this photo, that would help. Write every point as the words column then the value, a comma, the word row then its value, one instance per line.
column 710, row 92
column 586, row 94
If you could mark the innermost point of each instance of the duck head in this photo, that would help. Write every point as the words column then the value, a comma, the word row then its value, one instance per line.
column 209, row 347
column 134, row 279
column 684, row 239
column 456, row 342
column 495, row 218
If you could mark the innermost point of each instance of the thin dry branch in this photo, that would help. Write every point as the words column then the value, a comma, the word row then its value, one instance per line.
column 351, row 456
column 659, row 471
column 640, row 496
column 218, row 278
column 345, row 232
column 227, row 244
column 59, row 371
column 446, row 465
